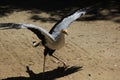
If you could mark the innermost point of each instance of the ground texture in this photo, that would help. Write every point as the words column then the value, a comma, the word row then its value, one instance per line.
column 92, row 51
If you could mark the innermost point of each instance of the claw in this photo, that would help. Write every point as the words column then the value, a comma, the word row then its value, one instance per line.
column 35, row 44
column 65, row 65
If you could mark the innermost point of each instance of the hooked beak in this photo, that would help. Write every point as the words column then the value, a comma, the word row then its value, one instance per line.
column 65, row 31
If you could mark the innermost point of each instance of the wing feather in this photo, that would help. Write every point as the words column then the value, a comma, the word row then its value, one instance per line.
column 40, row 32
column 65, row 22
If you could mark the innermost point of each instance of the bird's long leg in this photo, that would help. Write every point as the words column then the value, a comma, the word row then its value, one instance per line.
column 44, row 64
column 44, row 67
column 59, row 60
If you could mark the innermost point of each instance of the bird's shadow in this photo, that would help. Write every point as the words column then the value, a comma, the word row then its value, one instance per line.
column 49, row 75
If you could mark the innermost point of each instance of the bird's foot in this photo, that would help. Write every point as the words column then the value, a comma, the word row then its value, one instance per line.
column 36, row 44
column 65, row 65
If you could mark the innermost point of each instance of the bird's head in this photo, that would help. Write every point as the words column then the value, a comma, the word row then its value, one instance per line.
column 65, row 31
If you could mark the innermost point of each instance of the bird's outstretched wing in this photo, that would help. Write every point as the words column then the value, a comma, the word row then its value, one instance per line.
column 65, row 22
column 40, row 32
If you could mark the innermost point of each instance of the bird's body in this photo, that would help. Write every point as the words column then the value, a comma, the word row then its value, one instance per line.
column 57, row 44
column 55, row 38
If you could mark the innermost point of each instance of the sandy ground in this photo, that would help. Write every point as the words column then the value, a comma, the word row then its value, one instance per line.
column 92, row 50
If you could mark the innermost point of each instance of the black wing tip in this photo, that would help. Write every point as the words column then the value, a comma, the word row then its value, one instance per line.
column 9, row 26
column 87, row 9
column 5, row 24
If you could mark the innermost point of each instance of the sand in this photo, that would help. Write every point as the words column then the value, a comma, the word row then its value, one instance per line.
column 92, row 51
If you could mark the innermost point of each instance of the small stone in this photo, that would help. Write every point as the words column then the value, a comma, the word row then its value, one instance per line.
column 115, row 65
column 89, row 74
